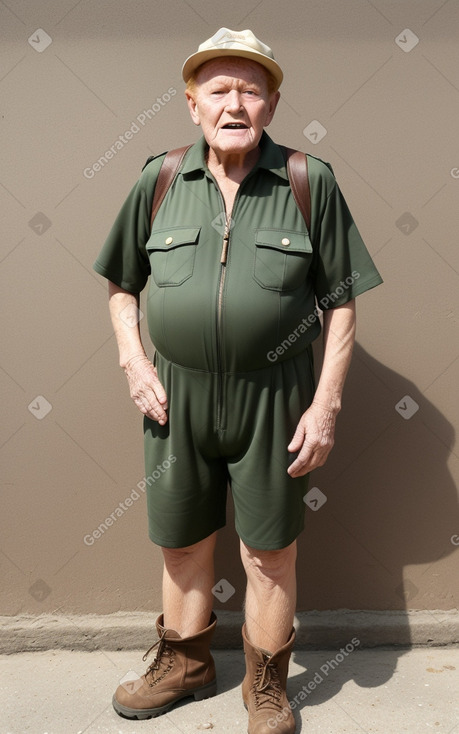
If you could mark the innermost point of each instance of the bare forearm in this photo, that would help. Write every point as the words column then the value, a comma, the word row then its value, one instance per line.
column 145, row 387
column 339, row 337
column 314, row 436
column 123, row 313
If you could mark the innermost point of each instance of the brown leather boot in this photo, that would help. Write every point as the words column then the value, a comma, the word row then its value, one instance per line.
column 182, row 667
column 263, row 688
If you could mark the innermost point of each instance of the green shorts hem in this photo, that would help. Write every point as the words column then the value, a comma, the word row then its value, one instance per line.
column 279, row 519
column 182, row 544
column 270, row 546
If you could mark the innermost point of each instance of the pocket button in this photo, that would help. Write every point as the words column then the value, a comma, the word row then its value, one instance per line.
column 285, row 241
column 169, row 241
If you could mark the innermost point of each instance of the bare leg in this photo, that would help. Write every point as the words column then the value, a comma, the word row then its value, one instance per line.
column 271, row 595
column 188, row 578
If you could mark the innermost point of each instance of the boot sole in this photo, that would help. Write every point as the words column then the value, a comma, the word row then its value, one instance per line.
column 199, row 694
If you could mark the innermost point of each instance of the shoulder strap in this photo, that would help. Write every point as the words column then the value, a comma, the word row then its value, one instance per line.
column 168, row 171
column 297, row 169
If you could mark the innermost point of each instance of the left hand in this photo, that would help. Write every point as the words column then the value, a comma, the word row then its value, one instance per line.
column 313, row 438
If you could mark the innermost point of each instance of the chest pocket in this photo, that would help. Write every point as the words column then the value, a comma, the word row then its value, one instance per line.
column 172, row 254
column 282, row 258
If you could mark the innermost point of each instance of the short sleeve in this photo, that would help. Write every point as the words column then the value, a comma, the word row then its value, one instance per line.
column 342, row 266
column 123, row 258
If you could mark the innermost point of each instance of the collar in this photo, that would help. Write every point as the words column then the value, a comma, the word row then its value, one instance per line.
column 271, row 158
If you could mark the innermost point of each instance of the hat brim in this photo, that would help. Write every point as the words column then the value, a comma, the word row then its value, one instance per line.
column 200, row 57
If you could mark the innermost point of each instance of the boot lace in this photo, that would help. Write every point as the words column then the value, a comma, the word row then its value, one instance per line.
column 163, row 662
column 267, row 689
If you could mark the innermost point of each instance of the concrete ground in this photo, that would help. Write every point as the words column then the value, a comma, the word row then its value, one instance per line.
column 378, row 690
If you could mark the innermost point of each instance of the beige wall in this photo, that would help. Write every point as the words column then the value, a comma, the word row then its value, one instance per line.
column 385, row 538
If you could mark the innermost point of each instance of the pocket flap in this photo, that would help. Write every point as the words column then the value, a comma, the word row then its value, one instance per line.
column 284, row 240
column 168, row 239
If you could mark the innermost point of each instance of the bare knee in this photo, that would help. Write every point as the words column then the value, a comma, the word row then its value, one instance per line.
column 270, row 567
column 196, row 553
column 176, row 557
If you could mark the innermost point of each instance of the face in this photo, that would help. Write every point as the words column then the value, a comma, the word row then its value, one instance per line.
column 232, row 104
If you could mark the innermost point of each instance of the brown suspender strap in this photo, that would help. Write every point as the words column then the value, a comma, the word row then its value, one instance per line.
column 297, row 169
column 168, row 171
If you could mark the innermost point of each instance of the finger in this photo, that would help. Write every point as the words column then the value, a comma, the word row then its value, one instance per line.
column 157, row 413
column 159, row 390
column 300, row 468
column 317, row 457
column 152, row 409
column 156, row 404
column 297, row 440
column 303, row 463
column 145, row 383
column 311, row 456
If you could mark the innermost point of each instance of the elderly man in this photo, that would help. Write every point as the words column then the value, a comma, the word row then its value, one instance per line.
column 236, row 278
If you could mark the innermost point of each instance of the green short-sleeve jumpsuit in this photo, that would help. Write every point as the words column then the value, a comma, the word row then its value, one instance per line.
column 233, row 338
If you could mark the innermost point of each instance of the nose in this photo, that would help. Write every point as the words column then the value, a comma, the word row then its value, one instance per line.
column 233, row 101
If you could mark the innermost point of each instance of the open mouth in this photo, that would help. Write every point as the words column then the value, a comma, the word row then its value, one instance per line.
column 235, row 126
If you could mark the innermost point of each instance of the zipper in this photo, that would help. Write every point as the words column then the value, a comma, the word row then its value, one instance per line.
column 220, row 423
column 221, row 283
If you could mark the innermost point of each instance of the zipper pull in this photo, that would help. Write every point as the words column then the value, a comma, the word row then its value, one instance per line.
column 225, row 244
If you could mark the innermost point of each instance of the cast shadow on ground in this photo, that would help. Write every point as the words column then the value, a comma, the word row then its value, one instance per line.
column 390, row 514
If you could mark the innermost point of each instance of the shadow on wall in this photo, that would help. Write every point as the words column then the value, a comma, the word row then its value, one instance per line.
column 387, row 508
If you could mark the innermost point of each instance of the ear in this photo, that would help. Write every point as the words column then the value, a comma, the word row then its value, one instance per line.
column 274, row 99
column 192, row 106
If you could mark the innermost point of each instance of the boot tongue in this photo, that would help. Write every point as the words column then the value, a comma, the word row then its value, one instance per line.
column 169, row 634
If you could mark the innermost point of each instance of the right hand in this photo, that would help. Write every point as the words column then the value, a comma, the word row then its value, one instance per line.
column 146, row 390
